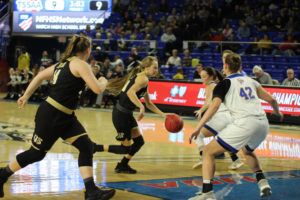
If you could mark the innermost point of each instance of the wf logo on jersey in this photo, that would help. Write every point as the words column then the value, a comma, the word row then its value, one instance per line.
column 25, row 21
column 175, row 90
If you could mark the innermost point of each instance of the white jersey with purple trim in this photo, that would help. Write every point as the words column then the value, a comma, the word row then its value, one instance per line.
column 241, row 99
column 222, row 107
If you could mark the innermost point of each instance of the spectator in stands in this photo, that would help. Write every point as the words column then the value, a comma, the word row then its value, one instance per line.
column 163, row 24
column 286, row 47
column 106, row 69
column 132, row 59
column 197, row 72
column 24, row 60
column 170, row 40
column 128, row 28
column 237, row 13
column 232, row 46
column 11, row 85
column 173, row 16
column 290, row 24
column 111, row 29
column 127, row 17
column 117, row 72
column 137, row 20
column 153, row 8
column 265, row 48
column 163, row 7
column 179, row 74
column 99, row 29
column 100, row 55
column 264, row 24
column 155, row 29
column 227, row 31
column 261, row 76
column 253, row 48
column 122, row 43
column 45, row 60
column 117, row 61
column 174, row 60
column 149, row 21
column 243, row 31
column 250, row 19
column 118, row 7
column 135, row 35
column 218, row 36
column 133, row 7
column 291, row 80
column 187, row 59
column 119, row 28
column 279, row 24
column 87, row 31
column 96, row 42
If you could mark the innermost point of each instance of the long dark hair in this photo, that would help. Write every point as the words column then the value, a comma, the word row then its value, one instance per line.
column 77, row 44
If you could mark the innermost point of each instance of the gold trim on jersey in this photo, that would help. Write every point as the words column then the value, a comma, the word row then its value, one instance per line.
column 36, row 148
column 58, row 106
column 76, row 136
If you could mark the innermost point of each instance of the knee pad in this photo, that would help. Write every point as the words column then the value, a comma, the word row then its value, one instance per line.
column 137, row 144
column 86, row 150
column 30, row 156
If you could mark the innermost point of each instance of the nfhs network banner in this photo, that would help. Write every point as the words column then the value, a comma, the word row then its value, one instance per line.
column 193, row 95
column 58, row 16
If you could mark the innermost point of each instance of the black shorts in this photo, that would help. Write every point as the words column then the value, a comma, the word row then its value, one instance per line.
column 123, row 122
column 51, row 124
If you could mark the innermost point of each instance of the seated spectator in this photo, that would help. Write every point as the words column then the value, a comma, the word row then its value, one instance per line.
column 119, row 28
column 45, row 59
column 152, row 7
column 261, row 76
column 187, row 59
column 133, row 7
column 265, row 48
column 197, row 72
column 163, row 24
column 106, row 69
column 117, row 72
column 232, row 46
column 179, row 74
column 137, row 20
column 100, row 55
column 163, row 7
column 243, row 31
column 253, row 48
column 174, row 60
column 96, row 41
column 291, row 80
column 279, row 24
column 168, row 36
column 132, row 60
column 135, row 35
column 11, row 85
column 118, row 7
column 126, row 17
column 99, row 28
column 122, row 43
column 227, row 31
column 110, row 44
column 88, row 32
column 264, row 24
column 27, row 77
column 111, row 29
column 285, row 48
column 218, row 36
column 117, row 61
column 128, row 28
column 149, row 21
column 173, row 16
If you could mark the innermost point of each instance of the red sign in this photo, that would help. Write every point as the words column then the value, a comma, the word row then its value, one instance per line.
column 193, row 94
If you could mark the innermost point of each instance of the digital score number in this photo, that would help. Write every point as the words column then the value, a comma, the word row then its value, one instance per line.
column 98, row 5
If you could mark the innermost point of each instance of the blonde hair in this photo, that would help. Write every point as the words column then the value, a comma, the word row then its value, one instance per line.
column 115, row 85
column 77, row 44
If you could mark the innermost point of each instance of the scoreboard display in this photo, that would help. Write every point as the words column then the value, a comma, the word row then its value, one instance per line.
column 58, row 16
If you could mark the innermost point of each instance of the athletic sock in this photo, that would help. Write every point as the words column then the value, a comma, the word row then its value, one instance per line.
column 259, row 175
column 207, row 186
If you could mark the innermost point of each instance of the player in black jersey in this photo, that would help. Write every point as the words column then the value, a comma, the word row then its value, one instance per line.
column 130, row 89
column 55, row 117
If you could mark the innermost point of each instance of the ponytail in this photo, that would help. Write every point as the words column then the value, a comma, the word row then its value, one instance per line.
column 116, row 85
column 77, row 44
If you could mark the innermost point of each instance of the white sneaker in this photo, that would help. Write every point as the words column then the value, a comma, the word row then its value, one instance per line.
column 198, row 164
column 236, row 164
column 264, row 187
column 205, row 196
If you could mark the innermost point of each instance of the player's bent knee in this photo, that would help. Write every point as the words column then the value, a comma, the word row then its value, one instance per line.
column 30, row 156
column 137, row 144
column 86, row 150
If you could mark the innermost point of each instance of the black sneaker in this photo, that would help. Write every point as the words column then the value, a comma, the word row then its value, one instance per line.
column 2, row 181
column 220, row 156
column 126, row 169
column 99, row 194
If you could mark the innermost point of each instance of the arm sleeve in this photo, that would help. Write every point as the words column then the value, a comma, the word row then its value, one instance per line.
column 221, row 89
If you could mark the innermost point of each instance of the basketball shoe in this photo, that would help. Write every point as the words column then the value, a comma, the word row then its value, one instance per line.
column 264, row 187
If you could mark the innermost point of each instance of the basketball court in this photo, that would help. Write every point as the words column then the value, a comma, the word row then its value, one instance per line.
column 164, row 163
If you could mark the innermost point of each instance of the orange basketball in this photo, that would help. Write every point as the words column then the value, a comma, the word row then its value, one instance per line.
column 174, row 123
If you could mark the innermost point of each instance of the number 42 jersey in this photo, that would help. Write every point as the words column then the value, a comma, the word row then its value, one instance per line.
column 238, row 93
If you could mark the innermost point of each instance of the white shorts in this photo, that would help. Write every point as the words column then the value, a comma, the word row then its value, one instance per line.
column 247, row 132
column 218, row 122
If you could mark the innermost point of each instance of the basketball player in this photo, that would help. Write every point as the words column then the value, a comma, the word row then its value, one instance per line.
column 249, row 128
column 131, row 88
column 219, row 121
column 55, row 117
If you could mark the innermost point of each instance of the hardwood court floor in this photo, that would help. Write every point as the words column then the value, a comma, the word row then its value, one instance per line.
column 165, row 157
